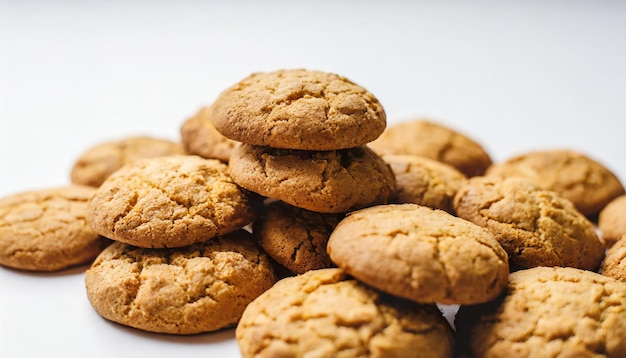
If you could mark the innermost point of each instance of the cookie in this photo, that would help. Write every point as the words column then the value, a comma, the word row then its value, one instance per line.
column 198, row 288
column 425, row 181
column 98, row 162
column 299, row 109
column 576, row 177
column 45, row 230
column 199, row 137
column 419, row 253
column 325, row 313
column 612, row 220
column 614, row 264
column 169, row 202
column 296, row 238
column 549, row 312
column 328, row 182
column 435, row 141
column 536, row 227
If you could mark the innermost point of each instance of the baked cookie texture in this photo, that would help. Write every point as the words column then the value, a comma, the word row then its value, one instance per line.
column 612, row 220
column 321, row 181
column 425, row 181
column 432, row 140
column 296, row 238
column 536, row 227
column 46, row 230
column 419, row 253
column 198, row 288
column 169, row 202
column 548, row 312
column 199, row 137
column 325, row 313
column 98, row 162
column 614, row 264
column 298, row 109
column 575, row 176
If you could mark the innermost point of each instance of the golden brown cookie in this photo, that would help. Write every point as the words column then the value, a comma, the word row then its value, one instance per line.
column 98, row 162
column 325, row 313
column 612, row 220
column 435, row 141
column 200, row 137
column 197, row 288
column 296, row 238
column 549, row 312
column 425, row 181
column 536, row 227
column 419, row 253
column 614, row 264
column 299, row 109
column 169, row 202
column 328, row 182
column 576, row 177
column 45, row 230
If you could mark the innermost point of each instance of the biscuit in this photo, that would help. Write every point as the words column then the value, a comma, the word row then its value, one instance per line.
column 45, row 230
column 98, row 162
column 328, row 182
column 299, row 109
column 614, row 264
column 612, row 220
column 325, row 313
column 535, row 227
column 419, row 253
column 548, row 312
column 199, row 137
column 198, row 288
column 169, row 202
column 435, row 141
column 296, row 238
column 576, row 177
column 425, row 181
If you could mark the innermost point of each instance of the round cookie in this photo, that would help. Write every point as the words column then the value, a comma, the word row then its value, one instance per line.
column 614, row 264
column 169, row 202
column 198, row 288
column 299, row 109
column 199, row 137
column 328, row 182
column 45, row 230
column 586, row 183
column 612, row 220
column 536, row 227
column 296, row 238
column 425, row 181
column 325, row 313
column 435, row 141
column 98, row 162
column 419, row 253
column 548, row 312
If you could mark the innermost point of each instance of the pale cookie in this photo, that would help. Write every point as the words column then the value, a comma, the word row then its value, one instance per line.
column 296, row 238
column 199, row 137
column 549, row 312
column 46, row 230
column 329, row 181
column 325, row 313
column 425, row 181
column 612, row 220
column 536, row 227
column 419, row 253
column 576, row 177
column 169, row 202
column 614, row 264
column 299, row 109
column 98, row 162
column 197, row 288
column 435, row 141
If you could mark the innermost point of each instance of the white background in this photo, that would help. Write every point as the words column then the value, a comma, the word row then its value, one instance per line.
column 514, row 76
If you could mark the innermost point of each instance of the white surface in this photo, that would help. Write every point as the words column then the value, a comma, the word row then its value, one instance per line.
column 513, row 75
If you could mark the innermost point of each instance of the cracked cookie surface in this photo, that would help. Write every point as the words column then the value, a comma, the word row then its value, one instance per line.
column 614, row 264
column 46, row 230
column 199, row 137
column 324, row 313
column 169, row 202
column 299, row 109
column 423, row 254
column 328, row 181
column 549, row 312
column 612, row 220
column 198, row 288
